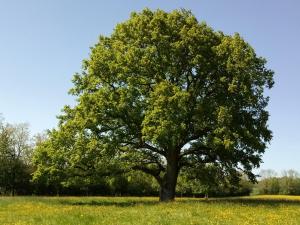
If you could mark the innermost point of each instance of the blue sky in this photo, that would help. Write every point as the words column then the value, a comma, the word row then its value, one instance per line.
column 42, row 44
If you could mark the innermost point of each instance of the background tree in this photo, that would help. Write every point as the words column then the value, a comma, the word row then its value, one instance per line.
column 271, row 183
column 15, row 162
column 210, row 180
column 290, row 183
column 164, row 92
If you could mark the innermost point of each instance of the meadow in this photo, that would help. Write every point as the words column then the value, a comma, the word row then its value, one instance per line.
column 253, row 210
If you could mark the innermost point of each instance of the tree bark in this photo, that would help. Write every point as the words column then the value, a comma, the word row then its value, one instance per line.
column 169, row 181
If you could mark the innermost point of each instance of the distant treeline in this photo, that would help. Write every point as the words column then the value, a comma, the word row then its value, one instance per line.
column 287, row 183
column 17, row 168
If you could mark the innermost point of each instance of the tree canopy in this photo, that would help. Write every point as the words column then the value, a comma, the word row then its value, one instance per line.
column 15, row 156
column 161, row 93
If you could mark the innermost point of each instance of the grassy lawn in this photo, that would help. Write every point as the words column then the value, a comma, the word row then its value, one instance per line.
column 128, row 210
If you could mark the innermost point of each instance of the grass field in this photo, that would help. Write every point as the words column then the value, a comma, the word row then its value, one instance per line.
column 128, row 210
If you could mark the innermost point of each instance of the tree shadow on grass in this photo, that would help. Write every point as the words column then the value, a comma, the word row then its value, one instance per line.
column 250, row 201
column 127, row 202
column 118, row 203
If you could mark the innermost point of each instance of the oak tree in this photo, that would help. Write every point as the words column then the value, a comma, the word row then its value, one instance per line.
column 165, row 92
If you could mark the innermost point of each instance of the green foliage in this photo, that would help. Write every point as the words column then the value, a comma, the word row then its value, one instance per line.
column 162, row 93
column 211, row 181
column 287, row 184
column 15, row 151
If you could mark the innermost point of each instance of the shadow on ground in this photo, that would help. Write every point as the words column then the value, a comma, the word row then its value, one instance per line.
column 249, row 201
column 133, row 202
column 124, row 203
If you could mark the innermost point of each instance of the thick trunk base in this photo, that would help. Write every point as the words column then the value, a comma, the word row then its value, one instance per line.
column 169, row 181
column 166, row 194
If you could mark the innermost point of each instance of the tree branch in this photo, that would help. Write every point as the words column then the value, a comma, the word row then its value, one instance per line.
column 153, row 172
column 196, row 151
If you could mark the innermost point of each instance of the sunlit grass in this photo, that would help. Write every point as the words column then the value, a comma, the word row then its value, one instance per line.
column 128, row 210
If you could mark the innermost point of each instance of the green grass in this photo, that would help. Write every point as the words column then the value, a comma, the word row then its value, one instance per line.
column 104, row 210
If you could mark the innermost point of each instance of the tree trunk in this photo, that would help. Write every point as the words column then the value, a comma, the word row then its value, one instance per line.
column 169, row 181
column 13, row 183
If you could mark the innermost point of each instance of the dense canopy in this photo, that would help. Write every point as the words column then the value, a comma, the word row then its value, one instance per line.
column 163, row 92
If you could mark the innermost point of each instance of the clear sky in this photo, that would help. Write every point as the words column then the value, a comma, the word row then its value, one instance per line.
column 42, row 44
